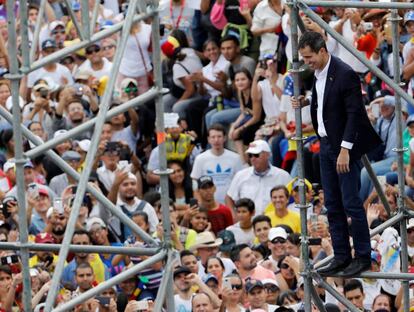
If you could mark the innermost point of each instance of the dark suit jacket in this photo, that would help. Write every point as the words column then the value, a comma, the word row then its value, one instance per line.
column 344, row 114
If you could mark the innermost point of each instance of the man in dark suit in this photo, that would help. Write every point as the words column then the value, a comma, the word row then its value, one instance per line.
column 340, row 120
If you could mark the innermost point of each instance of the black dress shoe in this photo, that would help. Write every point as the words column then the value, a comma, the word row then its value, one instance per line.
column 334, row 267
column 356, row 266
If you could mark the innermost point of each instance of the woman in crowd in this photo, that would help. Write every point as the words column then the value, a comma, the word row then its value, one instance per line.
column 136, row 62
column 215, row 266
column 232, row 297
column 243, row 130
column 180, row 186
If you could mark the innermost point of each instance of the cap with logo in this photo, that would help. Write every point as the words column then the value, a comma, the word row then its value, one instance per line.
column 252, row 284
column 277, row 232
column 44, row 238
column 180, row 270
column 408, row 17
column 49, row 44
column 229, row 241
column 258, row 146
column 204, row 181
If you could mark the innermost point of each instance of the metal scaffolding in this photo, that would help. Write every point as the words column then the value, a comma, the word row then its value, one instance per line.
column 402, row 215
column 164, row 251
column 158, row 251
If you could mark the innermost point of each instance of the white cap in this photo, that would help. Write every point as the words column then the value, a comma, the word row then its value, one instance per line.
column 9, row 165
column 55, row 24
column 126, row 82
column 34, row 272
column 60, row 132
column 94, row 220
column 410, row 224
column 84, row 145
column 270, row 281
column 277, row 232
column 258, row 146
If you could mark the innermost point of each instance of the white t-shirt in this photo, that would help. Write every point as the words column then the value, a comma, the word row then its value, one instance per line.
column 191, row 63
column 247, row 184
column 242, row 236
column 105, row 71
column 182, row 305
column 61, row 76
column 270, row 101
column 221, row 168
column 341, row 52
column 211, row 70
column 266, row 17
column 131, row 63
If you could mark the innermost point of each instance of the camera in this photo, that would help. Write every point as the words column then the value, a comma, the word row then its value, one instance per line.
column 5, row 205
column 368, row 26
column 263, row 64
column 78, row 89
column 43, row 93
column 9, row 260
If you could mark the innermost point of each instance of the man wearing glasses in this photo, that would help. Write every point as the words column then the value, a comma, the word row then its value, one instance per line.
column 256, row 181
column 95, row 63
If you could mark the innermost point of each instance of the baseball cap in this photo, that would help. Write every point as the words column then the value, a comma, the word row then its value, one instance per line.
column 389, row 100
column 181, row 269
column 55, row 24
column 204, row 181
column 71, row 156
column 41, row 85
column 84, row 144
column 277, row 232
column 43, row 191
column 170, row 46
column 44, row 238
column 60, row 132
column 209, row 277
column 252, row 284
column 410, row 120
column 106, row 24
column 270, row 281
column 229, row 241
column 9, row 165
column 76, row 6
column 410, row 224
column 28, row 164
column 83, row 74
column 94, row 220
column 409, row 16
column 258, row 146
column 49, row 43
column 127, row 81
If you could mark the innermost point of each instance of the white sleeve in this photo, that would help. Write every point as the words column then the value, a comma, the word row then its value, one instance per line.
column 152, row 217
column 257, row 22
column 233, row 191
column 411, row 143
column 153, row 162
column 196, row 172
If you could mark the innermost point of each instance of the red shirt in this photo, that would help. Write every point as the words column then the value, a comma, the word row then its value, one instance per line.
column 220, row 218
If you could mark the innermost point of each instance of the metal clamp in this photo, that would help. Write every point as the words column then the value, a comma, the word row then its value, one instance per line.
column 295, row 138
column 400, row 150
column 163, row 172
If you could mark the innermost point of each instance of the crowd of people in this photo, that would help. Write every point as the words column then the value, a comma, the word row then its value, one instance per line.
column 229, row 138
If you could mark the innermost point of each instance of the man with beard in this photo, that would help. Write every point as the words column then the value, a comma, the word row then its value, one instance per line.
column 98, row 65
column 56, row 224
column 124, row 194
column 45, row 259
column 246, row 263
column 184, row 281
column 70, row 102
column 84, row 276
column 81, row 237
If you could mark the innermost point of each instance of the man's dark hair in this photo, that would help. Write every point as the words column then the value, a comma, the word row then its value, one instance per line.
column 245, row 202
column 217, row 127
column 280, row 187
column 142, row 214
column 185, row 253
column 313, row 40
column 5, row 269
column 353, row 284
column 81, row 232
column 261, row 218
column 83, row 265
column 294, row 238
column 230, row 38
column 235, row 252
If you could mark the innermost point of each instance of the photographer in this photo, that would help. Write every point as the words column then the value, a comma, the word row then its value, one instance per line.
column 70, row 112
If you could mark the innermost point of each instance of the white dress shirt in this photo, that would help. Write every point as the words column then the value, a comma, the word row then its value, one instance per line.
column 320, row 85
